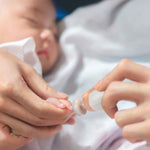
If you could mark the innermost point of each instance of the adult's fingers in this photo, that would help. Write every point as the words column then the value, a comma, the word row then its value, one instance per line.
column 137, row 132
column 27, row 130
column 34, row 104
column 125, row 69
column 129, row 116
column 118, row 90
column 17, row 141
column 70, row 121
column 38, row 85
column 17, row 111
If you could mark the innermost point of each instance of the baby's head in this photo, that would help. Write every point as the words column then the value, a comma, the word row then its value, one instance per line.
column 24, row 18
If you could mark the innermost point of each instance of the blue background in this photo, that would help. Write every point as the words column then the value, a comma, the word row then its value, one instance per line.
column 64, row 7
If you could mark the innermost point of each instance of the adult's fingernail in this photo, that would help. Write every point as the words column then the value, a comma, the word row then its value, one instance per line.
column 52, row 100
column 56, row 102
column 60, row 105
column 98, row 85
column 62, row 95
column 70, row 108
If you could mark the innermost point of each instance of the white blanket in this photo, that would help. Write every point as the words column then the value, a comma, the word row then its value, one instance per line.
column 93, row 40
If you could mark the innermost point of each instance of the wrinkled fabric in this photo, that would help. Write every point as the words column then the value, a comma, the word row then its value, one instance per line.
column 25, row 50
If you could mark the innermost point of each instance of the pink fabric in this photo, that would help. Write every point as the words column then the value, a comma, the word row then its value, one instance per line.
column 116, row 142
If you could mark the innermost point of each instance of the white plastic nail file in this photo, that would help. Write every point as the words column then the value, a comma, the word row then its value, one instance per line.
column 78, row 107
column 95, row 98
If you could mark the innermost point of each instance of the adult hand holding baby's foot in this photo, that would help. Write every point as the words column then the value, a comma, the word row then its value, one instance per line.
column 22, row 105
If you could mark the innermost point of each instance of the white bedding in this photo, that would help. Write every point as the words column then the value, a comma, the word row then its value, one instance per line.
column 93, row 40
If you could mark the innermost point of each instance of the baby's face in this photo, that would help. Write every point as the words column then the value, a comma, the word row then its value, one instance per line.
column 23, row 18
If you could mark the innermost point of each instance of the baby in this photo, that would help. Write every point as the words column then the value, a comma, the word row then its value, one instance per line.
column 36, row 18
column 22, row 19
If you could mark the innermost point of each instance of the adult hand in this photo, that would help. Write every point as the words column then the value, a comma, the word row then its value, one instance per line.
column 135, row 122
column 22, row 95
column 9, row 141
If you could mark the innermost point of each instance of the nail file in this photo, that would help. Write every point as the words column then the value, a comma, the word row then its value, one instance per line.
column 95, row 98
column 78, row 107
